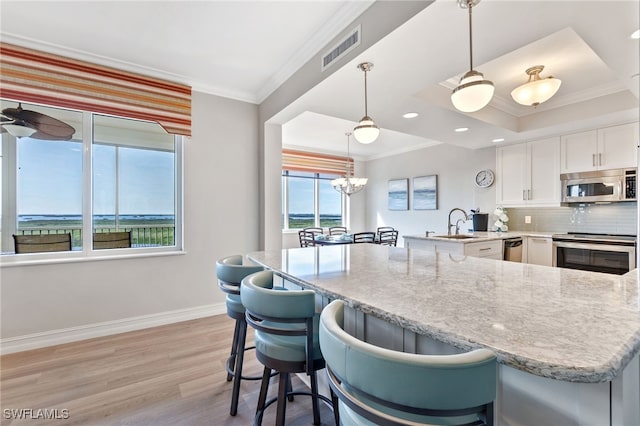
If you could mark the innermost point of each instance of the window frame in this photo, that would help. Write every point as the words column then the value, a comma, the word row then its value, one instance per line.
column 9, row 205
column 344, row 200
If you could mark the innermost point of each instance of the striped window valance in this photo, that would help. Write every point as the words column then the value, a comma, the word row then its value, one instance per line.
column 302, row 161
column 32, row 76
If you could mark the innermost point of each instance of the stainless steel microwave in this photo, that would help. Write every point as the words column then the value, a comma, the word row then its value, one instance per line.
column 600, row 186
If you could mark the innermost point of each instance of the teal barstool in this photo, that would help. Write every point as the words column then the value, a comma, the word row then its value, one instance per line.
column 230, row 272
column 286, row 339
column 378, row 386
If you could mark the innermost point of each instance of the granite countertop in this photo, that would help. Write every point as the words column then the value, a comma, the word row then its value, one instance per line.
column 552, row 322
column 481, row 236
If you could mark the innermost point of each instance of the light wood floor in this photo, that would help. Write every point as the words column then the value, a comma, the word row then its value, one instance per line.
column 168, row 375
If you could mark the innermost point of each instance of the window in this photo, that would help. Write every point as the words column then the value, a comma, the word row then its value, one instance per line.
column 310, row 200
column 113, row 185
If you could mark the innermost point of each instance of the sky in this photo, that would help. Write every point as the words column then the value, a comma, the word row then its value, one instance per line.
column 50, row 179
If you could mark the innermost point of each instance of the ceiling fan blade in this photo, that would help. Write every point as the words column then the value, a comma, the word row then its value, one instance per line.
column 47, row 127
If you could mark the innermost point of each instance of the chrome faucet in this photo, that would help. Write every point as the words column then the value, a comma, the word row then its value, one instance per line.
column 457, row 225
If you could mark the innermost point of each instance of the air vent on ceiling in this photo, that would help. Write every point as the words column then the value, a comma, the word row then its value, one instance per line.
column 350, row 42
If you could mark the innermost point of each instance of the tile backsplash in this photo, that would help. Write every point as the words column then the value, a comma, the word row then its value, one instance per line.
column 619, row 218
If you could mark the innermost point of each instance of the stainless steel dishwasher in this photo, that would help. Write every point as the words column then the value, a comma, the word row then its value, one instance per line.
column 513, row 249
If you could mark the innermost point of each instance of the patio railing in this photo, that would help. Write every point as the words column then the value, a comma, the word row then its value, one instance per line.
column 141, row 235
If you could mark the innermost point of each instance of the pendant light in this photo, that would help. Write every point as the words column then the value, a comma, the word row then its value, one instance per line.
column 473, row 91
column 366, row 131
column 349, row 185
column 537, row 90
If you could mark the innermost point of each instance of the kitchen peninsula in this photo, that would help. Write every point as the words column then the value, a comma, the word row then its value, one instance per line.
column 567, row 341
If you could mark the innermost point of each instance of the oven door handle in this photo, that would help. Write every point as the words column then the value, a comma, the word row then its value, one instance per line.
column 599, row 247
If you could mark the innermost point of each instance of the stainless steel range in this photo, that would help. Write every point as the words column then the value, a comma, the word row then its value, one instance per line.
column 609, row 253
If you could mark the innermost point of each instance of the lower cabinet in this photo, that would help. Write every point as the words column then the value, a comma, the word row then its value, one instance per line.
column 489, row 249
column 539, row 251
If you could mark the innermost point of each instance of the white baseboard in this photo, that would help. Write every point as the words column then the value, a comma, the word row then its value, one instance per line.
column 73, row 334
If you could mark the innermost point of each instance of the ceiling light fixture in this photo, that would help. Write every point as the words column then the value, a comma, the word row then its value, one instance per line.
column 636, row 35
column 473, row 92
column 349, row 185
column 498, row 140
column 461, row 129
column 366, row 131
column 537, row 90
column 19, row 130
column 410, row 115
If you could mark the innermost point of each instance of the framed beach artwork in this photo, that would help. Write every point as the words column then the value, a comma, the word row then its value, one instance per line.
column 399, row 194
column 425, row 192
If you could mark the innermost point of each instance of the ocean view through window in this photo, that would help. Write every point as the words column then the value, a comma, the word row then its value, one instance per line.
column 309, row 200
column 115, row 177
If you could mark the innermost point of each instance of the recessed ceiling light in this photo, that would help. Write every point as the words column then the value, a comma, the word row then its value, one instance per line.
column 461, row 129
column 410, row 115
column 498, row 140
column 635, row 35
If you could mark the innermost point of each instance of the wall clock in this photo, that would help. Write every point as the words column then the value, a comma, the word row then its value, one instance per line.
column 485, row 178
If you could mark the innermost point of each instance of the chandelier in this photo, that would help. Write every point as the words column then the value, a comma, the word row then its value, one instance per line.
column 366, row 131
column 536, row 90
column 473, row 92
column 349, row 185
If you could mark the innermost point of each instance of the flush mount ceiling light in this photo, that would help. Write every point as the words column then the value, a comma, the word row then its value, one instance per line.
column 349, row 185
column 410, row 114
column 473, row 92
column 461, row 129
column 366, row 131
column 537, row 90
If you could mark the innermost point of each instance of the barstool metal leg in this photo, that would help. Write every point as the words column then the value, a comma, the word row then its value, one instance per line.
column 231, row 361
column 282, row 398
column 264, row 389
column 237, row 373
column 314, row 399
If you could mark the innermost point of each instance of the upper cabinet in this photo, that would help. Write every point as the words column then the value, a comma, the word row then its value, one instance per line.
column 608, row 148
column 529, row 174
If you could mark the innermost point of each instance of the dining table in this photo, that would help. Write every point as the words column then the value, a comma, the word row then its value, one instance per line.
column 331, row 240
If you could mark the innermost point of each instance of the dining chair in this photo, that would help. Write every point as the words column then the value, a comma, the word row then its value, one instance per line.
column 230, row 272
column 379, row 386
column 316, row 229
column 385, row 228
column 42, row 243
column 110, row 240
column 337, row 230
column 364, row 237
column 307, row 238
column 387, row 238
column 286, row 340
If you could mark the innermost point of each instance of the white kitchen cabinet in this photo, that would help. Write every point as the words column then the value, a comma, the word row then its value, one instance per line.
column 539, row 251
column 529, row 174
column 612, row 147
column 491, row 249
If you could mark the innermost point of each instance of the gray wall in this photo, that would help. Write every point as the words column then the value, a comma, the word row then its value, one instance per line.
column 220, row 205
column 456, row 168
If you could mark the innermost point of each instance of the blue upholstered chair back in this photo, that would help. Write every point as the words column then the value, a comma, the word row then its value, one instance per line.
column 434, row 382
column 230, row 272
column 285, row 321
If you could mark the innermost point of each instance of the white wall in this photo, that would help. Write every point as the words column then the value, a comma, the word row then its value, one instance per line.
column 456, row 168
column 221, row 218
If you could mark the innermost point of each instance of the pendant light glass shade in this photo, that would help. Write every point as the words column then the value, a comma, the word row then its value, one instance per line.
column 537, row 90
column 473, row 92
column 19, row 130
column 366, row 131
column 349, row 185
